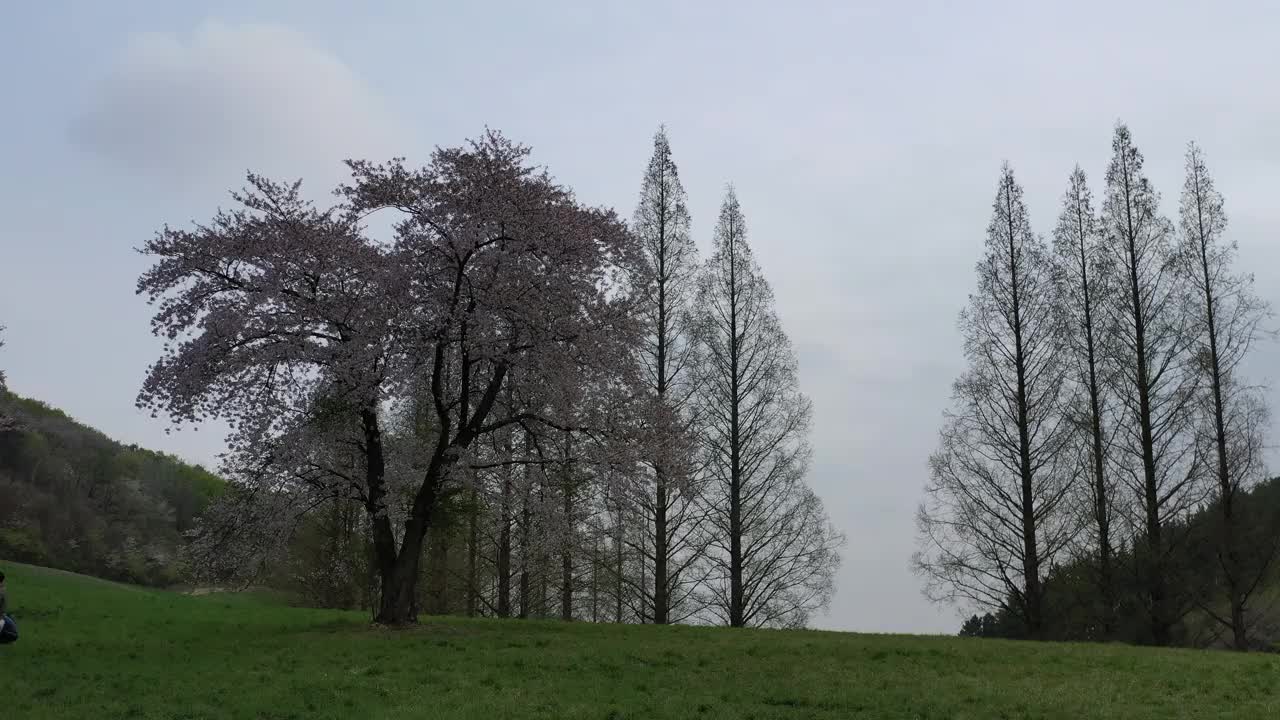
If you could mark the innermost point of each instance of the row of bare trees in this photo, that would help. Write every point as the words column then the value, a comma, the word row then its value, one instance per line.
column 558, row 412
column 729, row 525
column 1103, row 403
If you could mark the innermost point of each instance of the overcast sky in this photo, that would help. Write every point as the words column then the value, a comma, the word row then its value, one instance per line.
column 864, row 139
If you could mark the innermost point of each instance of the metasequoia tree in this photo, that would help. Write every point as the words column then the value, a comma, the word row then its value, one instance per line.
column 293, row 325
column 1225, row 321
column 667, row 497
column 773, row 551
column 993, row 521
column 1151, row 380
column 1083, row 290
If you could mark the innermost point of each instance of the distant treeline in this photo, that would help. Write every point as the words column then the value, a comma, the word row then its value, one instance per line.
column 72, row 498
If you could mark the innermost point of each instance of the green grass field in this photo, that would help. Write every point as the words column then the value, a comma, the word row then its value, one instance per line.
column 92, row 649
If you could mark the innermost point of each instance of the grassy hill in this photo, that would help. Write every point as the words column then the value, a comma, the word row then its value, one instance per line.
column 92, row 648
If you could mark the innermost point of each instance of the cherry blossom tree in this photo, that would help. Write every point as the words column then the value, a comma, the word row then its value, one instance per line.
column 498, row 298
column 276, row 321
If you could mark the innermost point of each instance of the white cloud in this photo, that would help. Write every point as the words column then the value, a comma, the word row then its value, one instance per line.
column 206, row 107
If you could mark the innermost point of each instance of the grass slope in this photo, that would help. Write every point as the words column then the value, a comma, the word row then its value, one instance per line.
column 93, row 649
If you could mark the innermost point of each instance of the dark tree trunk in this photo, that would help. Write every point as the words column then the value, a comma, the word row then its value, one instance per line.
column 397, row 568
column 541, row 606
column 1239, row 630
column 645, row 615
column 660, row 550
column 525, row 598
column 595, row 578
column 1228, row 553
column 437, row 570
column 399, row 580
column 617, row 570
column 566, row 586
column 566, row 547
column 1154, row 575
column 661, row 601
column 1102, row 506
column 1032, row 594
column 473, row 550
column 736, row 610
column 504, row 548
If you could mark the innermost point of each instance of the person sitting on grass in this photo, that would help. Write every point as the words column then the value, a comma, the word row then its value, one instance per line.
column 8, row 628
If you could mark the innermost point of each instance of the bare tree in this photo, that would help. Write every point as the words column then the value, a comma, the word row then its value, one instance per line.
column 1084, row 288
column 773, row 550
column 1224, row 325
column 1150, row 374
column 993, row 521
column 668, row 497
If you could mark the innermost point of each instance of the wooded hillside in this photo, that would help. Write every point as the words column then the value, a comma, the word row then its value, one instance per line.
column 73, row 498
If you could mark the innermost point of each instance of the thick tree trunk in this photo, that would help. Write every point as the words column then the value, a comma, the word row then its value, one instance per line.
column 397, row 568
column 399, row 581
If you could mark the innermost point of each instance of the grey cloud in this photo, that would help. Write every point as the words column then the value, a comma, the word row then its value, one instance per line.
column 208, row 106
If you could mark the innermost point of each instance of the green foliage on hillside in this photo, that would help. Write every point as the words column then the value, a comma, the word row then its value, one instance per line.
column 96, row 649
column 1076, row 606
column 72, row 498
